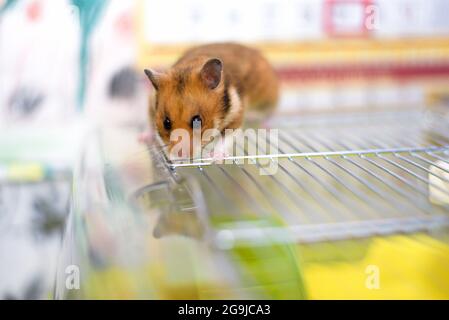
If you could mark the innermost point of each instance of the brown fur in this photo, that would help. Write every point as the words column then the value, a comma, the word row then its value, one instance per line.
column 182, row 93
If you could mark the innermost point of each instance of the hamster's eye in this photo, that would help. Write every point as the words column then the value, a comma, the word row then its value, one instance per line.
column 196, row 121
column 167, row 123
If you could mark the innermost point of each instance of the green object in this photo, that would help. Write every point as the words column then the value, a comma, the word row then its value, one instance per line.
column 270, row 269
column 89, row 14
column 8, row 4
column 273, row 269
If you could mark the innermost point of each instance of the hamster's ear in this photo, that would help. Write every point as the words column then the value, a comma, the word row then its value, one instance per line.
column 211, row 73
column 155, row 77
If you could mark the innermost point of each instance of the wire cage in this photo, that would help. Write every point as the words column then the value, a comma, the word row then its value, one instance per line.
column 337, row 176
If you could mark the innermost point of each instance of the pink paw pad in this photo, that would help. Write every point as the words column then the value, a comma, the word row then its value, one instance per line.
column 218, row 156
column 145, row 137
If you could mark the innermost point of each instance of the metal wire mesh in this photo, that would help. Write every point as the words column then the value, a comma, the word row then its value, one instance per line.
column 338, row 177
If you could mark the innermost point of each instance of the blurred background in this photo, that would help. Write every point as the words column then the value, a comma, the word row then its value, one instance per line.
column 72, row 69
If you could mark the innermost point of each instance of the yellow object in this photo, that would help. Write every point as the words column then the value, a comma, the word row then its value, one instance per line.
column 28, row 172
column 439, row 188
column 408, row 267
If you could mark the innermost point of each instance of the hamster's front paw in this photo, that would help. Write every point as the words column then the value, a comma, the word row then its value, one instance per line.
column 146, row 137
column 218, row 156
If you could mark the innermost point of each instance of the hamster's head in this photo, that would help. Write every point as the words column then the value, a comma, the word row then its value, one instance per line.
column 188, row 97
